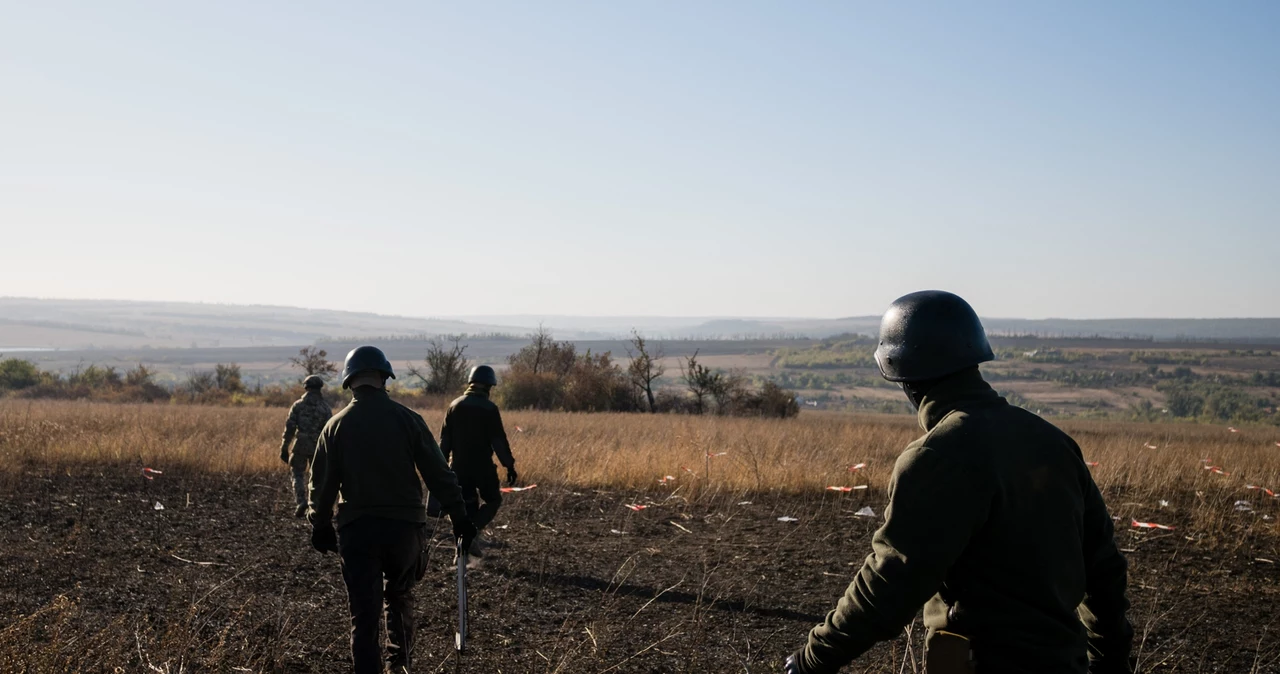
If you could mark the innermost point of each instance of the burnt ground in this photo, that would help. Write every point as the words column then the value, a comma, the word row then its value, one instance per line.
column 94, row 578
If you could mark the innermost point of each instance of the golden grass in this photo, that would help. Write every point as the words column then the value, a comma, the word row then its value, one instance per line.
column 627, row 451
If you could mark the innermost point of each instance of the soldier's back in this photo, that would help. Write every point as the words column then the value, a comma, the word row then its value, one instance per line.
column 1015, row 589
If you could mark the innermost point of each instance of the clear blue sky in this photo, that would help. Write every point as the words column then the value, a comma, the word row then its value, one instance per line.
column 1060, row 159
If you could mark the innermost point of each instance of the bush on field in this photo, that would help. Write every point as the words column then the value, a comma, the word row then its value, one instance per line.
column 18, row 374
column 551, row 375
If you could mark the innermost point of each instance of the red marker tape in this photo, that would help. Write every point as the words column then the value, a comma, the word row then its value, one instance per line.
column 1151, row 525
column 508, row 490
column 149, row 473
column 857, row 467
column 635, row 506
column 712, row 456
column 1091, row 464
column 847, row 489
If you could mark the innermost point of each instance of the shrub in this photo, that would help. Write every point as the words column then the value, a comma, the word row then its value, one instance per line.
column 18, row 374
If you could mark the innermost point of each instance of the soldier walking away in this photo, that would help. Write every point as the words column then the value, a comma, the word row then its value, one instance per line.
column 307, row 418
column 471, row 435
column 994, row 524
column 371, row 455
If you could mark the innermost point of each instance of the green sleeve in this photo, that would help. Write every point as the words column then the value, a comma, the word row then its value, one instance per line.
column 936, row 504
column 1106, row 579
column 326, row 479
column 446, row 437
column 498, row 440
column 441, row 482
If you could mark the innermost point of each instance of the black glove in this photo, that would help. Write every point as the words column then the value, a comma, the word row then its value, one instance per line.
column 464, row 530
column 511, row 476
column 792, row 665
column 284, row 455
column 324, row 538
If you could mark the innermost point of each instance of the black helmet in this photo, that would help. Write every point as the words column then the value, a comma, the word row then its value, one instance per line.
column 483, row 374
column 313, row 381
column 364, row 358
column 930, row 334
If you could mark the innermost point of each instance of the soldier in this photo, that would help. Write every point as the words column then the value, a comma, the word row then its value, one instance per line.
column 994, row 524
column 371, row 454
column 471, row 435
column 307, row 418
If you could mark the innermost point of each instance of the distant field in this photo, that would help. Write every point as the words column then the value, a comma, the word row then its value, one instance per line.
column 1102, row 378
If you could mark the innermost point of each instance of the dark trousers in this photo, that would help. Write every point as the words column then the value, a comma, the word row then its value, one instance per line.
column 481, row 485
column 381, row 562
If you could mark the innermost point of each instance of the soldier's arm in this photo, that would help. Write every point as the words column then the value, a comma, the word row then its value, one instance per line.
column 446, row 437
column 1106, row 579
column 326, row 478
column 290, row 427
column 498, row 438
column 441, row 482
column 936, row 505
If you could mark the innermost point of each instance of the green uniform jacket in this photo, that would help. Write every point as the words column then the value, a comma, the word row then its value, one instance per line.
column 996, row 523
column 371, row 454
column 473, row 433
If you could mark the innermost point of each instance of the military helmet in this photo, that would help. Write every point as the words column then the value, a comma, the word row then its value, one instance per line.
column 930, row 334
column 313, row 381
column 364, row 358
column 483, row 374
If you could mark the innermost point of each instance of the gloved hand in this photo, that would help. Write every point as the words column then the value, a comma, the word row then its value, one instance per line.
column 792, row 665
column 512, row 476
column 464, row 530
column 324, row 538
column 284, row 456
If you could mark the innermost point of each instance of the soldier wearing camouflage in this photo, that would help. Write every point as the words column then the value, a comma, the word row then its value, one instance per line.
column 307, row 418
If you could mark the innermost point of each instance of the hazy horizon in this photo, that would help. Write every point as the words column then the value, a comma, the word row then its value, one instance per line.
column 1083, row 161
column 593, row 317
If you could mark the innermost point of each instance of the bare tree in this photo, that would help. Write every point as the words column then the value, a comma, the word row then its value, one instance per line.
column 544, row 354
column 200, row 381
column 226, row 377
column 727, row 389
column 699, row 379
column 445, row 365
column 645, row 367
column 314, row 360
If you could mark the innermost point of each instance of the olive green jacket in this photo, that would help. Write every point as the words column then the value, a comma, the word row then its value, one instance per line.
column 995, row 525
column 472, row 434
column 371, row 454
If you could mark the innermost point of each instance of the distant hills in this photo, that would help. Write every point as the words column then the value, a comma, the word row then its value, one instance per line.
column 27, row 323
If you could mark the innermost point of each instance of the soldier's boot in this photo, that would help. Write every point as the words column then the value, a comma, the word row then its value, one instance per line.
column 475, row 550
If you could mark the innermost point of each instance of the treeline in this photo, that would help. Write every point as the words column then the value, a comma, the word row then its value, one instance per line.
column 844, row 351
column 552, row 375
column 223, row 385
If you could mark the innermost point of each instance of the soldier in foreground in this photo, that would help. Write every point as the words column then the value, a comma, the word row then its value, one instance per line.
column 307, row 418
column 371, row 453
column 471, row 435
column 994, row 524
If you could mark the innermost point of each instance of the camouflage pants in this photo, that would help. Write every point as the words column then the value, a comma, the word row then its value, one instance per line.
column 299, row 464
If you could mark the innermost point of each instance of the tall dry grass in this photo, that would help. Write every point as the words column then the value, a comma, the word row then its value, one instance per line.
column 627, row 451
column 631, row 451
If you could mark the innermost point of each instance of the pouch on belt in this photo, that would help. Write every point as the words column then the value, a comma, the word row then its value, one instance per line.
column 948, row 653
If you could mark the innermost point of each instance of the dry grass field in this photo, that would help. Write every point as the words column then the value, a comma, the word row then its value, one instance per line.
column 706, row 578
